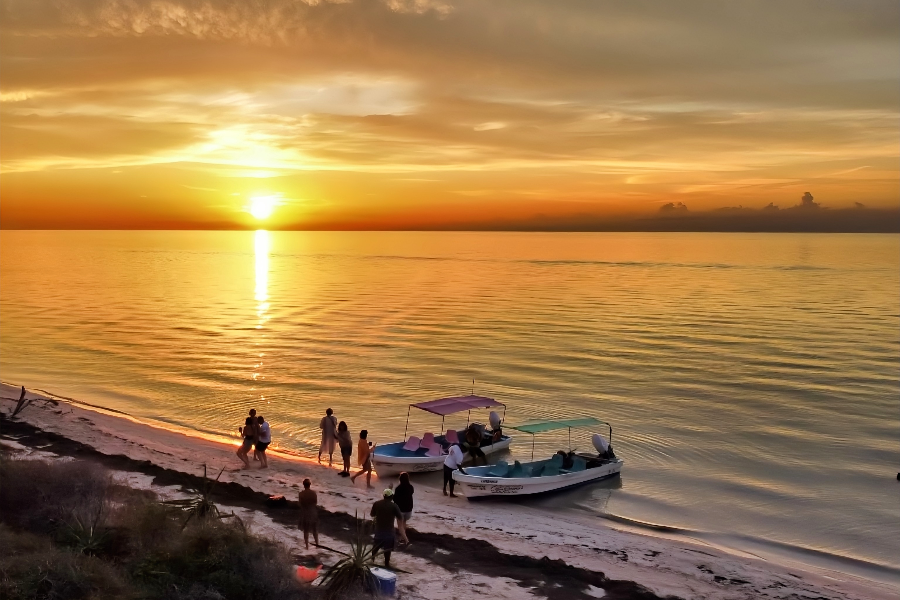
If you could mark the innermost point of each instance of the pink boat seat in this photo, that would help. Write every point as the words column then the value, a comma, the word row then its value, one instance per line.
column 435, row 450
column 452, row 437
column 412, row 444
column 427, row 440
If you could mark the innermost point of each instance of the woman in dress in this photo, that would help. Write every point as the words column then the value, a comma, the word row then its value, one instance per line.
column 345, row 442
column 309, row 513
column 328, row 425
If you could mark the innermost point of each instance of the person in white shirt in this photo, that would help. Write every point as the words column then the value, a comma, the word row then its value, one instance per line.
column 451, row 463
column 265, row 438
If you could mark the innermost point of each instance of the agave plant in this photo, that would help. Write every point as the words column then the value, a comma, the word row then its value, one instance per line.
column 354, row 572
column 201, row 504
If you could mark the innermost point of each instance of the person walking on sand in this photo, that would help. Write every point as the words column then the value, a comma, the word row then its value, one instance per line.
column 328, row 425
column 252, row 414
column 345, row 442
column 403, row 497
column 248, row 432
column 309, row 513
column 364, row 458
column 384, row 512
column 263, row 441
column 451, row 463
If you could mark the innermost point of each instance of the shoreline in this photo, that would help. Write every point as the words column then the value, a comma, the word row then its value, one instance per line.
column 570, row 547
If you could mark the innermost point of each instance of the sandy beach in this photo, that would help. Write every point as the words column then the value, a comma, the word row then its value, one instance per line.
column 504, row 550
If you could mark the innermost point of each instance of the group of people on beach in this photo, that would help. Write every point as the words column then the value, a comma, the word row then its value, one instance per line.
column 393, row 511
column 390, row 516
column 257, row 436
column 336, row 432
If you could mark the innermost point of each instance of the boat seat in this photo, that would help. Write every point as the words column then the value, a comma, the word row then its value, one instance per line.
column 556, row 460
column 499, row 470
column 580, row 465
column 550, row 470
column 435, row 450
column 427, row 441
column 412, row 444
column 452, row 436
column 518, row 470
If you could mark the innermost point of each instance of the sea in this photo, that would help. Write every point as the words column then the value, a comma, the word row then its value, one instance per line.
column 752, row 381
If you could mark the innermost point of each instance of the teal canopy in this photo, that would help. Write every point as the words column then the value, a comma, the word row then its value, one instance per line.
column 542, row 426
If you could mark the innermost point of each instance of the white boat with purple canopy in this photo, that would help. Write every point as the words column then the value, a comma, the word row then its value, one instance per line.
column 426, row 453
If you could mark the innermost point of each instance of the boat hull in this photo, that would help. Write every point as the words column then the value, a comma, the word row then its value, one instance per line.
column 481, row 485
column 387, row 466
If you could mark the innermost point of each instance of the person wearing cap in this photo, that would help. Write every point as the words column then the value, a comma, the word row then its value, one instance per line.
column 385, row 513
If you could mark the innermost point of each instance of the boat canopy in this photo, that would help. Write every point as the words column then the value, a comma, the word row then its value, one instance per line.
column 448, row 406
column 542, row 426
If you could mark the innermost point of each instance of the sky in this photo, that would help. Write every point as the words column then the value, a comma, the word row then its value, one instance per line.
column 398, row 114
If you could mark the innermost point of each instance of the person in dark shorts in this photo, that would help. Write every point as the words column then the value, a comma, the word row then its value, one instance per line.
column 403, row 497
column 385, row 513
column 248, row 431
column 309, row 513
column 262, row 442
column 346, row 444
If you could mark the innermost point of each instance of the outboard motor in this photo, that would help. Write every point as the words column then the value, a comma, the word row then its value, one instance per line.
column 494, row 418
column 604, row 448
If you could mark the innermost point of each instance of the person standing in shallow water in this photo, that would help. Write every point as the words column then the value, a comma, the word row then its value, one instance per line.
column 345, row 442
column 328, row 425
column 309, row 513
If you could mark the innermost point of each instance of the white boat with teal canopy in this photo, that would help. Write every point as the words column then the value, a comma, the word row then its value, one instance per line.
column 426, row 453
column 560, row 471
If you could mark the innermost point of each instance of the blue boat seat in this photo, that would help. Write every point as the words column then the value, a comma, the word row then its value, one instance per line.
column 580, row 465
column 499, row 470
column 518, row 470
column 550, row 470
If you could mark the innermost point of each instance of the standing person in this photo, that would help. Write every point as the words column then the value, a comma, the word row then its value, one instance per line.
column 252, row 414
column 309, row 513
column 364, row 458
column 385, row 512
column 248, row 431
column 345, row 442
column 403, row 497
column 263, row 441
column 451, row 463
column 328, row 425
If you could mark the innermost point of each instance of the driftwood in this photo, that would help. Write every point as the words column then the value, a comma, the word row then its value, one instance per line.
column 21, row 404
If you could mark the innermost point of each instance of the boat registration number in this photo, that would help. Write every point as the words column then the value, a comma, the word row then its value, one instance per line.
column 506, row 489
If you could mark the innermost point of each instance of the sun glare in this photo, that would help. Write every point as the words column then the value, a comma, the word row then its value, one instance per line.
column 262, row 207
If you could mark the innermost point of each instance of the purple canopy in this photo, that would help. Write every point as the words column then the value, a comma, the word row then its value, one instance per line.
column 448, row 406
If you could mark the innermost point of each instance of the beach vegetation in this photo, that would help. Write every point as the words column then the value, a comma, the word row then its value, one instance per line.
column 201, row 505
column 69, row 530
column 352, row 575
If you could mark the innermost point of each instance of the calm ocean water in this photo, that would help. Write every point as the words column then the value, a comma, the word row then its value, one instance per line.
column 752, row 380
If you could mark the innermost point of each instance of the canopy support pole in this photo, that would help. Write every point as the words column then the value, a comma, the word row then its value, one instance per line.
column 468, row 414
column 532, row 446
column 405, row 429
column 570, row 439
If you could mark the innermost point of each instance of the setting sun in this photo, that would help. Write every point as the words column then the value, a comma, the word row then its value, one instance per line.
column 262, row 207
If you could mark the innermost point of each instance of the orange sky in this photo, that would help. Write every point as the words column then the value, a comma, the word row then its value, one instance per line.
column 431, row 113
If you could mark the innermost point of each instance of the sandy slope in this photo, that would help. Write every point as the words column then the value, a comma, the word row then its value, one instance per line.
column 680, row 567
